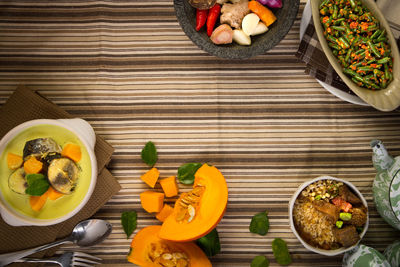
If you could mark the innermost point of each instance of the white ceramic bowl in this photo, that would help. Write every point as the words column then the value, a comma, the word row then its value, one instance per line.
column 303, row 242
column 86, row 134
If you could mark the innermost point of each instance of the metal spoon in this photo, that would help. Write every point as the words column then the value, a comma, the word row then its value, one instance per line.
column 86, row 233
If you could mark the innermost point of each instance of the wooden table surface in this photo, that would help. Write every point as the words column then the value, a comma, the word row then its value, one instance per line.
column 129, row 70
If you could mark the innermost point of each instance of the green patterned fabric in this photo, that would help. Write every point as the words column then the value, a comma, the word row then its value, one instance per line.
column 386, row 186
column 392, row 254
column 364, row 256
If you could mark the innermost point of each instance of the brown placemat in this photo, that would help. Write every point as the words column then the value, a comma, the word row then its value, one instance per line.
column 23, row 105
column 317, row 64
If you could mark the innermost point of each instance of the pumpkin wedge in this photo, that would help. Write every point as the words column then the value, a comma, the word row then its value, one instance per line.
column 197, row 212
column 148, row 250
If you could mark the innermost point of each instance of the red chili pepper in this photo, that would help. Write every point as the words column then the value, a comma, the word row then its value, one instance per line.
column 201, row 18
column 212, row 18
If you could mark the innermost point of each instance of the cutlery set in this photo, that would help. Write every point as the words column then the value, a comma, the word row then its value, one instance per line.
column 85, row 234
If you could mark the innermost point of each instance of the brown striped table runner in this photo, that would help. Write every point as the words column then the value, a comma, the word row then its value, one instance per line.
column 128, row 69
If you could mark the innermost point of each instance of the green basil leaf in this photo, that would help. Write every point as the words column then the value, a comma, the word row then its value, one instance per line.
column 210, row 243
column 281, row 252
column 37, row 184
column 129, row 222
column 259, row 261
column 259, row 223
column 149, row 154
column 30, row 178
column 186, row 172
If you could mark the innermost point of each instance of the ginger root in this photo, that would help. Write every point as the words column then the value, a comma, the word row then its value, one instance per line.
column 221, row 2
column 233, row 14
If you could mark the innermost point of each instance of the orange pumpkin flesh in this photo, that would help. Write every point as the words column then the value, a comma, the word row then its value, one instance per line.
column 211, row 184
column 146, row 239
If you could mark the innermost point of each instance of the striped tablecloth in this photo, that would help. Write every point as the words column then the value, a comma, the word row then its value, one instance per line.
column 128, row 69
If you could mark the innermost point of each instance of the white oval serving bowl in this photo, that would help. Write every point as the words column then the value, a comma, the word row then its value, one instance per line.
column 325, row 252
column 80, row 129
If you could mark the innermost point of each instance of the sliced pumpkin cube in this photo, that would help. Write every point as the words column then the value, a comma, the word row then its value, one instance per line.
column 169, row 186
column 151, row 177
column 32, row 165
column 164, row 213
column 72, row 151
column 37, row 202
column 14, row 161
column 152, row 201
column 54, row 194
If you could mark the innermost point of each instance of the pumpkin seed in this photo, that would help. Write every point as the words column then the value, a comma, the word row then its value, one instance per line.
column 191, row 212
column 188, row 203
column 178, row 255
column 198, row 190
column 163, row 256
column 192, row 198
column 182, row 263
column 167, row 263
column 166, row 256
column 180, row 216
column 184, row 200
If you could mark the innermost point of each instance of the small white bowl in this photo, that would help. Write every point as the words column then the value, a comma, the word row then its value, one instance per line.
column 325, row 252
column 86, row 134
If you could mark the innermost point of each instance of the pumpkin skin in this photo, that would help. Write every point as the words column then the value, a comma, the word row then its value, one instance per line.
column 142, row 240
column 209, row 212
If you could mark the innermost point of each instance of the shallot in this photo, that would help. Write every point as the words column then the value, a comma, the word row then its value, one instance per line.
column 261, row 28
column 271, row 3
column 241, row 38
column 249, row 23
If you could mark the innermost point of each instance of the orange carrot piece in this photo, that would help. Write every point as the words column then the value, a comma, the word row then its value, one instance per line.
column 14, row 161
column 164, row 213
column 37, row 202
column 72, row 151
column 262, row 12
column 32, row 165
column 152, row 201
column 151, row 177
column 169, row 186
column 53, row 194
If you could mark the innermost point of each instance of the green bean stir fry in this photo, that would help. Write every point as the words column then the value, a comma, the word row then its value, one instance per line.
column 358, row 42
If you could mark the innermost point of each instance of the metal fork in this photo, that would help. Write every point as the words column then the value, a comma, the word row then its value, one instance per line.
column 68, row 259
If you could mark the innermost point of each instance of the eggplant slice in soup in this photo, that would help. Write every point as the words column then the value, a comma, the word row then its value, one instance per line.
column 40, row 147
column 17, row 181
column 63, row 174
